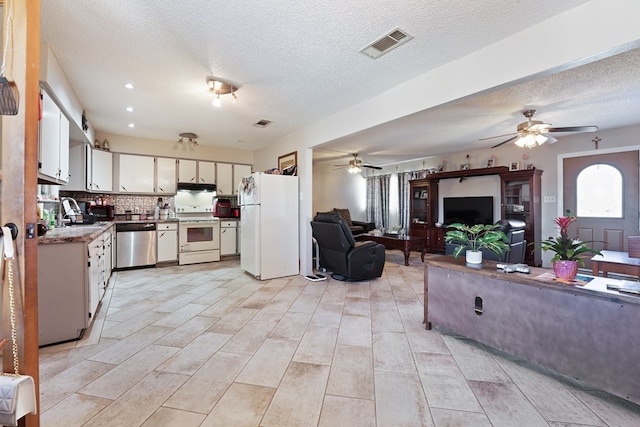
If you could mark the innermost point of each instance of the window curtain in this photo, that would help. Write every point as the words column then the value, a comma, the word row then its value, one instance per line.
column 378, row 200
column 404, row 196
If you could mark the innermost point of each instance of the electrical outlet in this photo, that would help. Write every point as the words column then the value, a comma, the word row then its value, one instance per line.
column 549, row 199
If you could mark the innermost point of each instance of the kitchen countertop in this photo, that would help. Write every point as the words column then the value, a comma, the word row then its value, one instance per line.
column 75, row 233
column 87, row 232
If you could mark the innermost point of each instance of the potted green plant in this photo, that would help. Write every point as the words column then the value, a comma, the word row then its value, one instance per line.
column 473, row 238
column 569, row 253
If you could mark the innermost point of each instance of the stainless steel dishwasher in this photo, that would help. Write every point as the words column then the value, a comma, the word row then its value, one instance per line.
column 136, row 244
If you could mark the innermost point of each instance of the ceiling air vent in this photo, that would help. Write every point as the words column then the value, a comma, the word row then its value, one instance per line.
column 262, row 123
column 386, row 43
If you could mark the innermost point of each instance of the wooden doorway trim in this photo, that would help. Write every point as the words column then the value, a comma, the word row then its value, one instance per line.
column 19, row 185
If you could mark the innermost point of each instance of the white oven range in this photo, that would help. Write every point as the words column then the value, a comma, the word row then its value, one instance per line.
column 199, row 236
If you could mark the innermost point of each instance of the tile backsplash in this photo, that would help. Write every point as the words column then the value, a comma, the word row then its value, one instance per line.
column 123, row 202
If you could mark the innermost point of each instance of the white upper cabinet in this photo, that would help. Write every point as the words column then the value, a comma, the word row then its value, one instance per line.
column 91, row 170
column 206, row 172
column 224, row 180
column 165, row 175
column 187, row 171
column 101, row 170
column 136, row 174
column 53, row 142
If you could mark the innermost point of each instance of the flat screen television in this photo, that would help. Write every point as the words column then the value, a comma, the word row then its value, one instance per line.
column 468, row 210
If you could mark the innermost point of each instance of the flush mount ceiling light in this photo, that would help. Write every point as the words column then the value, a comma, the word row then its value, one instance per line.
column 190, row 138
column 218, row 87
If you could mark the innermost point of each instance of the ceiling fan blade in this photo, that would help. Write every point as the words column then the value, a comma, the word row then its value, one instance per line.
column 372, row 167
column 506, row 141
column 497, row 136
column 574, row 129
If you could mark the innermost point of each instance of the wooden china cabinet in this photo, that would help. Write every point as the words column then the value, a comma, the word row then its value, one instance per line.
column 423, row 210
column 521, row 194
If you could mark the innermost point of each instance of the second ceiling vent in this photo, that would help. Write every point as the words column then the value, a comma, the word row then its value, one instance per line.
column 386, row 43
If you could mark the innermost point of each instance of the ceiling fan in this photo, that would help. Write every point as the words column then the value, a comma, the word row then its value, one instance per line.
column 535, row 132
column 355, row 165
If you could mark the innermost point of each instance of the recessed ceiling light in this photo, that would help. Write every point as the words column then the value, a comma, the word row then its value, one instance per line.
column 129, row 109
column 131, row 125
column 129, row 85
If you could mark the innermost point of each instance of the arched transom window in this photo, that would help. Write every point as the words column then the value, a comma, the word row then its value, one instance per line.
column 599, row 192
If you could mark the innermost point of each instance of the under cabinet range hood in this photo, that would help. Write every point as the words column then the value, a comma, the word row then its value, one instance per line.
column 190, row 186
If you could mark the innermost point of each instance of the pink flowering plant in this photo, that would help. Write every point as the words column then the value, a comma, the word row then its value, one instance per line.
column 565, row 247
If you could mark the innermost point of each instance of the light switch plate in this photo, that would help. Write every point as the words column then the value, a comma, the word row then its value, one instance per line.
column 549, row 199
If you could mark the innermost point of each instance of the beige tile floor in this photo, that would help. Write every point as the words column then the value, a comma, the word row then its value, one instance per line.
column 207, row 345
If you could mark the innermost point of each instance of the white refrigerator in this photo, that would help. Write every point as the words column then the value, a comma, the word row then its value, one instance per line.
column 269, row 225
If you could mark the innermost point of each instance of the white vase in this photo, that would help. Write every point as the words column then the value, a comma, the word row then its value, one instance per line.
column 474, row 257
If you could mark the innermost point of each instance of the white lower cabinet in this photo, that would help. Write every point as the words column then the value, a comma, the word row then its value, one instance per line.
column 228, row 237
column 167, row 242
column 72, row 277
column 96, row 274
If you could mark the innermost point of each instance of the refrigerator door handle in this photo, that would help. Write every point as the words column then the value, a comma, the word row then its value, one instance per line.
column 240, row 193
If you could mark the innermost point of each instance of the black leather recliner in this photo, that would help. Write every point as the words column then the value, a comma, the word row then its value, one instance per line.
column 514, row 229
column 339, row 252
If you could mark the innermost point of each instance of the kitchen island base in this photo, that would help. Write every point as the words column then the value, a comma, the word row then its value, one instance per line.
column 585, row 332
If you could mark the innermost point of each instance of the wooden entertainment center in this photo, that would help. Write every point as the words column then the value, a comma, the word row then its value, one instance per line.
column 520, row 198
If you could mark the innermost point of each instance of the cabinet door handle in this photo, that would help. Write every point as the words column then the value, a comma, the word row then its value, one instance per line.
column 162, row 234
column 122, row 186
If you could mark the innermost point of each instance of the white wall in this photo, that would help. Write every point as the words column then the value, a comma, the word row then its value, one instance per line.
column 154, row 147
column 339, row 189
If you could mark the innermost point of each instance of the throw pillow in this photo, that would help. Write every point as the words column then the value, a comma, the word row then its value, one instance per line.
column 344, row 213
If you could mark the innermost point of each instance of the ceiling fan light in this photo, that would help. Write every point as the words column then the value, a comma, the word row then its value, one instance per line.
column 216, row 101
column 541, row 139
column 526, row 141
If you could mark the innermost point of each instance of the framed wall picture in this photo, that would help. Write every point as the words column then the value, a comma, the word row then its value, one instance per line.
column 288, row 161
column 514, row 166
column 490, row 162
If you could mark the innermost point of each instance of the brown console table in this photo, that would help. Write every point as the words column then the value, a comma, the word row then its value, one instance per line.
column 586, row 332
column 615, row 262
column 406, row 244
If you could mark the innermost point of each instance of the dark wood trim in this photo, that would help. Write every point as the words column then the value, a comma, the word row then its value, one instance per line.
column 466, row 173
column 19, row 186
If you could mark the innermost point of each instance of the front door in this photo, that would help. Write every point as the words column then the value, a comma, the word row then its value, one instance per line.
column 602, row 191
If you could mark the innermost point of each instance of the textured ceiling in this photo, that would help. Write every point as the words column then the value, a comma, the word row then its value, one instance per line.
column 297, row 62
